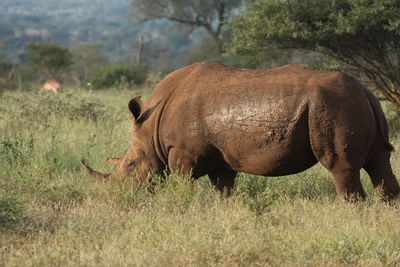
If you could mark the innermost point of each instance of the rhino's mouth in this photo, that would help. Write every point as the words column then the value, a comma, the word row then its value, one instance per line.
column 94, row 174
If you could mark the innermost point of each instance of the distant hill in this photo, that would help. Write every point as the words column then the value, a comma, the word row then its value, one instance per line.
column 66, row 22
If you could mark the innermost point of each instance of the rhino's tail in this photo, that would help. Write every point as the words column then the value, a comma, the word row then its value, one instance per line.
column 380, row 119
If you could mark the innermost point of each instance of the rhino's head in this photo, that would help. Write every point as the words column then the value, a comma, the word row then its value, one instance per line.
column 140, row 159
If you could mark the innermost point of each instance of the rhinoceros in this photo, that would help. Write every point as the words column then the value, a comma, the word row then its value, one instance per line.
column 211, row 119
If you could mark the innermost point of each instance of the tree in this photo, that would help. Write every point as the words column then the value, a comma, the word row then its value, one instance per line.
column 88, row 59
column 1, row 49
column 139, row 53
column 205, row 50
column 50, row 58
column 362, row 33
column 211, row 15
column 7, row 72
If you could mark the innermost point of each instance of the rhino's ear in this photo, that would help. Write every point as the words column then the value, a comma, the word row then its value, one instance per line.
column 145, row 115
column 136, row 107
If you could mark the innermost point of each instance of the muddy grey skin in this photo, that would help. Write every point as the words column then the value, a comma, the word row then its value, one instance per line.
column 210, row 119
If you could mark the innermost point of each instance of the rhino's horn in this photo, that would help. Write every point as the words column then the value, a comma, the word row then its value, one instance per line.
column 94, row 174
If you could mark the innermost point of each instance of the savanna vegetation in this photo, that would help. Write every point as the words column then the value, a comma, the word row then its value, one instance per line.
column 51, row 213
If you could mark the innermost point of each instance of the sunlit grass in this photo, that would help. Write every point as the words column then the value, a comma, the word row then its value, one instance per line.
column 52, row 214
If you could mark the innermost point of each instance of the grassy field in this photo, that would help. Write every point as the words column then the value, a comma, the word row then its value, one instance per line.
column 51, row 213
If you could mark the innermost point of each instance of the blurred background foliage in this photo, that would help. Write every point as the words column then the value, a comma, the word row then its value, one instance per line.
column 121, row 43
column 101, row 37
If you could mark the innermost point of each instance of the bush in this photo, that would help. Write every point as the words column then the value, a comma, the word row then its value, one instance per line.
column 118, row 76
column 51, row 58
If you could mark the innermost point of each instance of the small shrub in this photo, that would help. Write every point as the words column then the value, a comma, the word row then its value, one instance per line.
column 12, row 211
column 11, row 151
column 153, row 78
column 118, row 76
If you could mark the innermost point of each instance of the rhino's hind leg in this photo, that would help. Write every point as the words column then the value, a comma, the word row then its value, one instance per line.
column 223, row 180
column 342, row 157
column 381, row 174
column 348, row 184
column 344, row 164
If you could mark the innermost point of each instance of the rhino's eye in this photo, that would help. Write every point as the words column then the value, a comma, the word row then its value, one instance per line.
column 132, row 164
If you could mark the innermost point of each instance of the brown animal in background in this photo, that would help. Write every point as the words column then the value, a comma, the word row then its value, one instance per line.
column 210, row 119
column 2, row 90
column 51, row 85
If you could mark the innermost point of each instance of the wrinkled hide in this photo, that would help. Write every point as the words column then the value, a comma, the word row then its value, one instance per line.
column 210, row 119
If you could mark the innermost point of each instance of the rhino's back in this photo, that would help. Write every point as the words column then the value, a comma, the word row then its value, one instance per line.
column 215, row 79
column 212, row 81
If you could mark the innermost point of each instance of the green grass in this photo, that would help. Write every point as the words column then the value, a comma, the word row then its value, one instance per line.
column 51, row 213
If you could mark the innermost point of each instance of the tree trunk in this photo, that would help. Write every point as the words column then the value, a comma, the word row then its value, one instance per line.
column 139, row 54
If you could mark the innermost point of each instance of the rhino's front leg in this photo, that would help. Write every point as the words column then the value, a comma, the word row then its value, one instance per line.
column 223, row 180
column 180, row 161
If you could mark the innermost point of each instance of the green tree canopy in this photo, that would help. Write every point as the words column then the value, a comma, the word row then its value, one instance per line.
column 362, row 33
column 210, row 15
column 50, row 58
